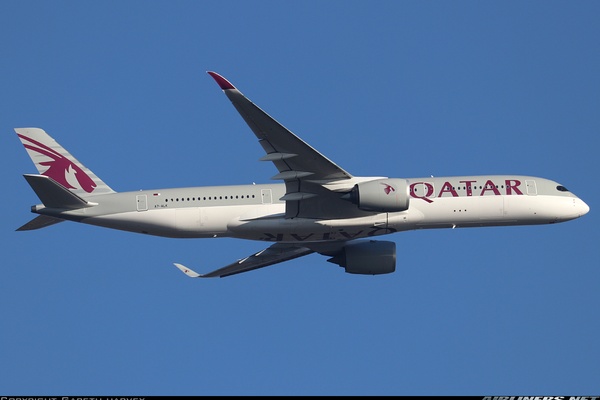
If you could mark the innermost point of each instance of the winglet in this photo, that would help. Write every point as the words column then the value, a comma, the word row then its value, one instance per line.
column 223, row 83
column 187, row 271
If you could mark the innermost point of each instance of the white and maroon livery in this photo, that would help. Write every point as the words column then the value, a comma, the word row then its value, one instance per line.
column 319, row 207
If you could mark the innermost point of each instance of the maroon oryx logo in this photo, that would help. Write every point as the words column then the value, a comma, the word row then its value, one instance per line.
column 60, row 168
column 388, row 188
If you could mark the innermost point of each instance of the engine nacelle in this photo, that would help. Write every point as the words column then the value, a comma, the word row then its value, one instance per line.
column 384, row 195
column 367, row 257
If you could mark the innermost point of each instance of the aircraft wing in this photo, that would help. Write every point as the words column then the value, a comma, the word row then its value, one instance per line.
column 277, row 253
column 305, row 171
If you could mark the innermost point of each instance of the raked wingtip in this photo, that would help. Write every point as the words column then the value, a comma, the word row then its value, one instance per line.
column 223, row 83
column 187, row 271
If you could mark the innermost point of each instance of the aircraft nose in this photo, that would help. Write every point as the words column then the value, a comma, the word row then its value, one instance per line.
column 582, row 208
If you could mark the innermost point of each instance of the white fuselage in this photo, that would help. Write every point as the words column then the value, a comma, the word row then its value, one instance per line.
column 255, row 211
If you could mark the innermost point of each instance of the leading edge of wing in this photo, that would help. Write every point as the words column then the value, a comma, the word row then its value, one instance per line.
column 294, row 158
column 272, row 255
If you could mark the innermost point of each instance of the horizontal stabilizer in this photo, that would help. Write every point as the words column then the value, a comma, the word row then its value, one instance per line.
column 55, row 195
column 41, row 221
column 275, row 254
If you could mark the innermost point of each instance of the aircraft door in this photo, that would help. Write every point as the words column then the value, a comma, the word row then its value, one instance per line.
column 422, row 190
column 142, row 202
column 531, row 188
column 266, row 196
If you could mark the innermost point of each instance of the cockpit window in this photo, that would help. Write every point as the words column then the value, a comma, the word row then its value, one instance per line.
column 562, row 188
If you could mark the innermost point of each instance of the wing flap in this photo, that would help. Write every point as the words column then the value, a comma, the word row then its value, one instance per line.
column 272, row 255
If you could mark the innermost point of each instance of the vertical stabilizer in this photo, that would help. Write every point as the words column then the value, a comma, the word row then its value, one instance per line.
column 53, row 161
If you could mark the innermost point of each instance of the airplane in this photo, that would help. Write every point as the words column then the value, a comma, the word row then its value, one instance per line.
column 318, row 208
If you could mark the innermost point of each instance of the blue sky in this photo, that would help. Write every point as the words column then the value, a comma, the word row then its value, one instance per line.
column 395, row 88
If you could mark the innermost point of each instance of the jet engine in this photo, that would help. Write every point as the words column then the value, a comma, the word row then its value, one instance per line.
column 367, row 257
column 384, row 195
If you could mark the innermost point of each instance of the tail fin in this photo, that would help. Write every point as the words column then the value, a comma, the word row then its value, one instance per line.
column 53, row 161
